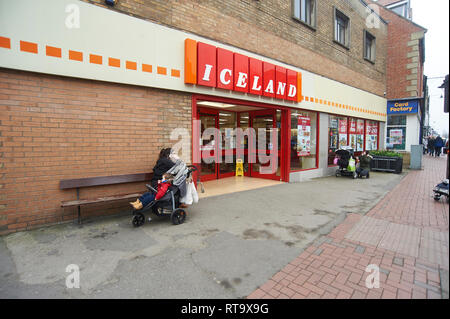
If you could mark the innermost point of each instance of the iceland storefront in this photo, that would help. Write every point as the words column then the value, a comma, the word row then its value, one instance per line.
column 80, row 100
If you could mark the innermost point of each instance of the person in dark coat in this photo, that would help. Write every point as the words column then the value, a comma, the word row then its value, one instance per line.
column 431, row 145
column 438, row 144
column 163, row 164
column 364, row 164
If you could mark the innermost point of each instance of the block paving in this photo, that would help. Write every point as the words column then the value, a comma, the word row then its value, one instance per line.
column 405, row 235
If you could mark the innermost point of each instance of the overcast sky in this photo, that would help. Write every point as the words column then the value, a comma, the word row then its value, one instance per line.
column 433, row 15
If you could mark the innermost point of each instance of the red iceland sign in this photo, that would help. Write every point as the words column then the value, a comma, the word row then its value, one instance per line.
column 210, row 66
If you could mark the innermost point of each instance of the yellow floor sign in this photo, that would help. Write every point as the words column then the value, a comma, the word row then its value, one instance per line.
column 239, row 167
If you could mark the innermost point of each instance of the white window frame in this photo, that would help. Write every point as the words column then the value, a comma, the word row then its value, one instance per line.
column 346, row 20
column 373, row 47
column 298, row 12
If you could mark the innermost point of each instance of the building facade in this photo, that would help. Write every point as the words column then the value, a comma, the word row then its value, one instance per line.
column 407, row 106
column 88, row 89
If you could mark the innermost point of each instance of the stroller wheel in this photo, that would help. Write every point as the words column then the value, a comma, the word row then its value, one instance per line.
column 355, row 175
column 138, row 220
column 178, row 216
column 437, row 197
column 338, row 173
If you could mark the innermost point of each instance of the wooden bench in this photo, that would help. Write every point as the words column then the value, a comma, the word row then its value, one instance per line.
column 100, row 181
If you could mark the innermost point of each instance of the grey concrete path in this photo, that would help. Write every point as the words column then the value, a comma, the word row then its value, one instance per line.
column 228, row 246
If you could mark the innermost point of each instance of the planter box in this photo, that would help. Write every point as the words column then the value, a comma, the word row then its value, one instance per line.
column 386, row 164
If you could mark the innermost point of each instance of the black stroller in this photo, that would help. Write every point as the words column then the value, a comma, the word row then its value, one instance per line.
column 170, row 202
column 344, row 156
column 441, row 189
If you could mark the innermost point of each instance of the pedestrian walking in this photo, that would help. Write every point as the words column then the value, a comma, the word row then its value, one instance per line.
column 425, row 145
column 431, row 146
column 438, row 144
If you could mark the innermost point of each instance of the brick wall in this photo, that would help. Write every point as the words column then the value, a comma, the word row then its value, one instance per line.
column 266, row 27
column 55, row 128
column 404, row 70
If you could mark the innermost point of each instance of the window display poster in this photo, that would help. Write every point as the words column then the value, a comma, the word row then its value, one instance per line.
column 360, row 135
column 343, row 133
column 333, row 138
column 304, row 136
column 342, row 140
column 371, row 142
column 359, row 142
column 371, row 128
column 353, row 141
column 342, row 126
column 396, row 137
column 360, row 127
column 352, row 128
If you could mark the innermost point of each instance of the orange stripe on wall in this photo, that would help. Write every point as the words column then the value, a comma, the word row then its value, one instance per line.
column 75, row 55
column 146, row 68
column 130, row 65
column 175, row 73
column 190, row 61
column 114, row 62
column 161, row 70
column 53, row 51
column 5, row 43
column 28, row 47
column 96, row 59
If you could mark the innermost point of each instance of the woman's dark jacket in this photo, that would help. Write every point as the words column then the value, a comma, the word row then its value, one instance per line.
column 162, row 166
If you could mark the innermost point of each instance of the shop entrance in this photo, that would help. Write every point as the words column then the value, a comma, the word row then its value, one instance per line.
column 218, row 140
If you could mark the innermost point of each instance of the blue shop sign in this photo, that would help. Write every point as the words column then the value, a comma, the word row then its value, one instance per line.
column 402, row 107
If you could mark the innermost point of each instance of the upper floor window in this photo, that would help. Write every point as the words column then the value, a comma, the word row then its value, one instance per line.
column 401, row 8
column 341, row 28
column 369, row 46
column 305, row 11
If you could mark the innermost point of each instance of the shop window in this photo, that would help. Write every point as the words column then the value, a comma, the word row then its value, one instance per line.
column 305, row 11
column 303, row 140
column 337, row 135
column 371, row 135
column 341, row 28
column 369, row 46
column 396, row 132
column 359, row 135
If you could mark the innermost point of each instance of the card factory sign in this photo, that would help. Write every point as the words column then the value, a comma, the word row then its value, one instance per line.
column 402, row 107
column 211, row 66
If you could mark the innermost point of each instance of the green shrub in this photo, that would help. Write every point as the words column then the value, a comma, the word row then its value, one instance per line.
column 385, row 153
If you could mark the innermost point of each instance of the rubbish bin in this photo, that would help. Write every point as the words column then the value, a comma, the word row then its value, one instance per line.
column 416, row 157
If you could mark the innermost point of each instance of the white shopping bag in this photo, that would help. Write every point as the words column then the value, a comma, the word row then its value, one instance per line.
column 194, row 192
column 187, row 199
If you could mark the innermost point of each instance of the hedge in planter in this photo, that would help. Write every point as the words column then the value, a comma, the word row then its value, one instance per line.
column 386, row 161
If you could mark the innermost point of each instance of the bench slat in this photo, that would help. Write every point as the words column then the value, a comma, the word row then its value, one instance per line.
column 104, row 180
column 98, row 200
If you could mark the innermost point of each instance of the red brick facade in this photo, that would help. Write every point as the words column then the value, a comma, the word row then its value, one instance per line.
column 404, row 67
column 55, row 128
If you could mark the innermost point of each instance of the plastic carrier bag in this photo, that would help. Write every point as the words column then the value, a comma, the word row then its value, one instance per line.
column 351, row 165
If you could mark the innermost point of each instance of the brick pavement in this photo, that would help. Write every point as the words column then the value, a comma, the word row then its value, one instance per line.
column 405, row 235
